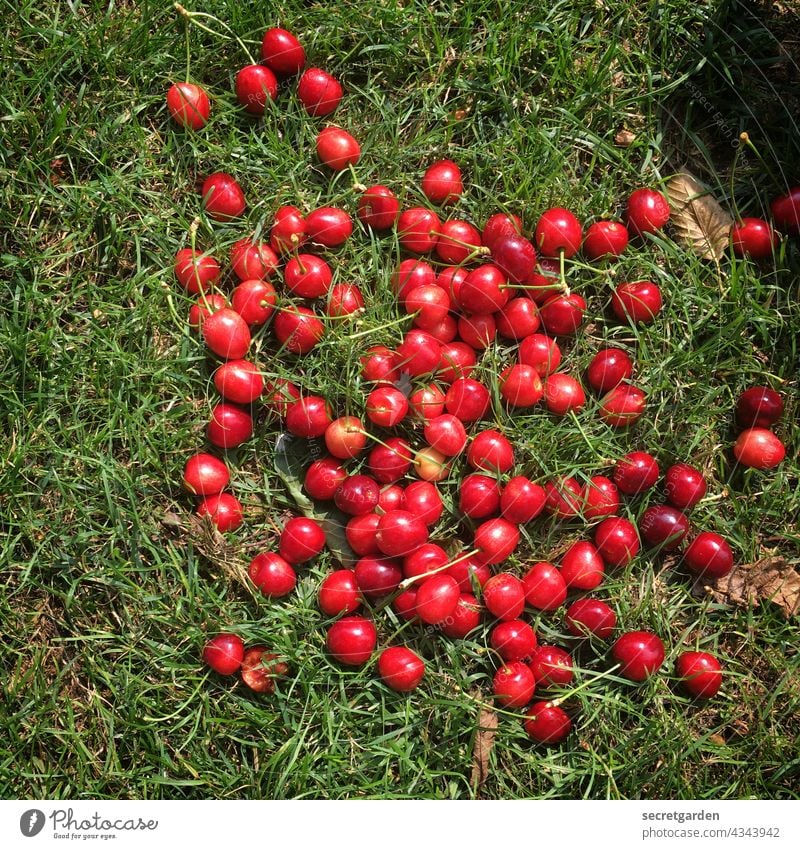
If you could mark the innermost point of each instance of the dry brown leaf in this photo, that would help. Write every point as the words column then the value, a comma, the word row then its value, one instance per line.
column 771, row 579
column 484, row 742
column 698, row 219
column 624, row 138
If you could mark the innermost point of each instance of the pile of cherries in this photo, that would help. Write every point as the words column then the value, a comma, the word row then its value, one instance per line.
column 462, row 288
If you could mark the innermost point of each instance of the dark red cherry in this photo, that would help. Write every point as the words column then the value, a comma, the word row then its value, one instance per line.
column 684, row 486
column 754, row 237
column 759, row 406
column 617, row 541
column 700, row 673
column 786, row 211
column 356, row 495
column 400, row 669
column 513, row 640
column 708, row 554
column 437, row 598
column 608, row 368
column 582, row 567
column 558, row 230
column 547, row 723
column 639, row 653
column 351, row 640
column 516, row 256
column 590, row 616
column 479, row 496
column 636, row 472
column 551, row 667
column 377, row 576
column 663, row 527
column 562, row 315
column 504, row 596
column 648, row 211
column 544, row 585
column 442, row 183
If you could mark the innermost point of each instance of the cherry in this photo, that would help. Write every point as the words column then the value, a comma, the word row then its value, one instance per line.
column 301, row 540
column 648, row 211
column 582, row 567
column 437, row 598
column 229, row 426
column 563, row 497
column 521, row 386
column 459, row 242
column 477, row 330
column 545, row 281
column 319, row 92
column 753, row 237
column 499, row 226
column 759, row 448
column 451, row 280
column 558, row 230
column 410, row 274
column 518, row 319
column 281, row 394
column 351, row 640
column 638, row 303
column 357, row 494
column 700, row 673
column 590, row 617
column 418, row 229
column 640, row 654
column 254, row 86
column 600, row 498
column 423, row 500
column 308, row 416
column 204, row 307
column 405, row 604
column 226, row 333
column 223, row 197
column 345, row 437
column 196, row 272
column 464, row 619
column 513, row 685
column 521, row 500
column 446, row 434
column 337, row 149
column 563, row 394
column 636, row 472
column 288, row 232
column 205, row 474
column 400, row 669
column 551, row 667
column 361, row 532
column 562, row 315
column 329, row 226
column 442, row 183
column 419, row 353
column 709, row 555
column 544, row 585
column 386, row 406
column 239, row 381
column 272, row 574
column 378, row 208
column 427, row 402
column 759, row 406
column 338, row 593
column 484, row 290
column 608, row 368
column 188, row 105
column 431, row 465
column 224, row 653
column 617, row 541
column 400, row 532
column 282, row 52
column 504, row 595
column 258, row 670
column 516, row 256
column 298, row 329
column 255, row 301
column 424, row 559
column 663, row 527
column 684, row 486
column 323, row 477
column 786, row 211
column 479, row 496
column 389, row 462
column 470, row 572
column 344, row 299
column 513, row 640
column 490, row 451
column 622, row 405
column 380, row 365
column 377, row 576
column 547, row 723
column 253, row 260
column 392, row 497
column 605, row 239
column 467, row 399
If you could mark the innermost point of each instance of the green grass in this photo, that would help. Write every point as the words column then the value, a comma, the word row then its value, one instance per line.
column 105, row 392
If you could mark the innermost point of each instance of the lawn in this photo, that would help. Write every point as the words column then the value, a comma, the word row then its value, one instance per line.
column 109, row 591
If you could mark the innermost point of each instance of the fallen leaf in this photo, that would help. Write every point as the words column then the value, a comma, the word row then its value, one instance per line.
column 624, row 138
column 484, row 743
column 771, row 579
column 698, row 219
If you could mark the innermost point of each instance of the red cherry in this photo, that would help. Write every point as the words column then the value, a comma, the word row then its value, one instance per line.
column 288, row 232
column 541, row 352
column 437, row 598
column 404, row 604
column 608, row 368
column 258, row 670
column 617, row 541
column 196, row 272
column 755, row 238
column 638, row 303
column 451, row 280
column 513, row 685
column 516, row 256
column 427, row 402
column 563, row 394
column 582, row 567
column 204, row 306
column 282, row 52
column 319, row 92
column 470, row 573
column 426, row 558
column 301, row 540
column 338, row 593
column 400, row 532
column 380, row 365
column 239, row 381
column 223, row 197
column 308, row 417
column 521, row 500
column 389, row 462
column 255, row 85
column 255, row 301
column 518, row 319
column 600, row 498
column 400, row 669
column 459, row 242
column 344, row 299
column 351, row 640
column 298, row 329
column 467, row 399
column 563, row 497
column 622, row 405
column 205, row 474
column 272, row 574
column 786, row 211
column 377, row 576
column 442, row 183
column 562, row 315
column 464, row 619
column 648, row 211
column 386, row 406
column 329, row 226
column 513, row 640
column 663, row 527
column 496, row 539
column 429, row 304
column 337, row 149
column 418, row 229
column 520, row 386
column 759, row 406
column 605, row 239
column 759, row 448
column 282, row 393
column 547, row 723
column 558, row 230
column 423, row 500
column 700, row 673
column 253, row 260
column 419, row 353
column 590, row 616
column 229, row 426
column 479, row 496
column 323, row 477
column 226, row 333
column 684, row 486
column 360, row 532
column 446, row 433
column 490, row 451
column 484, row 290
column 357, row 494
column 345, row 437
column 188, row 105
column 545, row 281
column 410, row 274
column 224, row 653
column 551, row 667
column 639, row 653
column 477, row 330
column 709, row 555
column 392, row 497
column 504, row 596
column 544, row 585
column 636, row 472
column 378, row 208
column 499, row 226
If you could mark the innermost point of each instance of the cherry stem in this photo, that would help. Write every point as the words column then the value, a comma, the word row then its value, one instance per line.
column 562, row 273
column 358, row 186
column 191, row 16
column 371, row 330
column 378, row 440
column 409, row 581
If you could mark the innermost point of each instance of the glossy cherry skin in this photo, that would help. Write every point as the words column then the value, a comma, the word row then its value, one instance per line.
column 301, row 540
column 753, row 237
column 638, row 303
column 513, row 640
column 392, row 498
column 700, row 673
column 357, row 494
column 418, row 229
column 470, row 573
column 478, row 330
column 617, row 541
column 558, row 230
column 636, row 472
column 223, row 197
column 254, row 86
column 541, row 352
column 386, row 406
column 377, row 576
column 204, row 306
column 282, row 52
column 329, row 226
column 196, row 272
column 272, row 574
column 442, row 182
column 562, row 315
column 520, row 386
column 389, row 462
column 590, row 616
column 379, row 365
column 308, row 417
column 337, row 149
column 484, row 290
column 188, row 105
column 345, row 437
column 498, row 227
column 400, row 669
column 663, row 527
column 600, row 498
column 513, row 685
column 547, row 723
column 281, row 394
column 759, row 406
column 351, row 640
column 338, row 593
column 288, row 231
column 464, row 619
column 204, row 474
column 323, row 477
column 400, row 532
column 226, row 333
column 605, row 239
column 608, row 368
column 563, row 394
column 518, row 319
column 639, row 653
column 623, row 405
column 239, row 381
column 446, row 433
column 759, row 448
column 563, row 497
column 551, row 667
column 490, row 451
column 786, row 211
column 467, row 399
column 544, row 586
column 437, row 598
column 426, row 558
column 582, row 567
column 319, row 92
column 224, row 653
column 521, row 500
column 496, row 540
column 378, row 208
column 255, row 301
column 504, row 596
column 708, row 554
column 429, row 304
column 427, row 402
column 516, row 256
column 684, row 486
column 258, row 671
column 298, row 329
column 479, row 496
column 423, row 500
column 405, row 604
column 648, row 211
column 360, row 532
column 419, row 353
column 229, row 426
column 344, row 299
column 410, row 274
